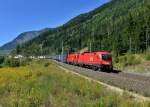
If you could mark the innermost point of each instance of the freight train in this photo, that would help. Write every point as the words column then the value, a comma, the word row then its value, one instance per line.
column 101, row 61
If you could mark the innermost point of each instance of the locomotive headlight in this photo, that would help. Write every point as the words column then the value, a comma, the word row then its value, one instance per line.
column 107, row 63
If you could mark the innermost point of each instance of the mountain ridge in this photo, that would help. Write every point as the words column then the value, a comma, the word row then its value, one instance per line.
column 21, row 39
column 119, row 26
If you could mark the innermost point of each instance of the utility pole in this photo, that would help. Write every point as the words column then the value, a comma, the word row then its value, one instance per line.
column 108, row 30
column 147, row 38
column 90, row 46
column 62, row 53
column 130, row 44
column 41, row 49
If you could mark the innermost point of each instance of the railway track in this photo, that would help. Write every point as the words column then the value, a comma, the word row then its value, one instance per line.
column 132, row 82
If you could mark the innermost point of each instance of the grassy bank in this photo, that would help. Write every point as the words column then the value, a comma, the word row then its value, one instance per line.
column 133, row 62
column 43, row 84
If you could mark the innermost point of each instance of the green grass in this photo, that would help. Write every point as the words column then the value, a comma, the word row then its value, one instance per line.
column 43, row 84
column 128, row 60
column 147, row 56
column 133, row 62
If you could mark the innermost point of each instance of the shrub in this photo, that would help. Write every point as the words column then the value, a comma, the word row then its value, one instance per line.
column 147, row 57
column 123, row 60
column 46, row 64
column 128, row 59
column 2, row 59
column 116, row 60
column 133, row 60
column 25, row 61
column 11, row 62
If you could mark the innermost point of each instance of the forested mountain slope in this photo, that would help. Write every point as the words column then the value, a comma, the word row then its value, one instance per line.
column 118, row 26
column 21, row 39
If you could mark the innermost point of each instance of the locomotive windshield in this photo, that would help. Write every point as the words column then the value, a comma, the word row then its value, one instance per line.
column 106, row 57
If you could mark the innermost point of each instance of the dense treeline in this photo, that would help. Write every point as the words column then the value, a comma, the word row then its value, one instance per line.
column 13, row 62
column 119, row 26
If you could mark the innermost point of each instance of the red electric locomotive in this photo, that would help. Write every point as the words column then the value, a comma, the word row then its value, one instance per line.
column 97, row 60
column 72, row 58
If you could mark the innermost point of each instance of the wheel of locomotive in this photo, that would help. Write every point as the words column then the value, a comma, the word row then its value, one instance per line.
column 111, row 70
column 100, row 69
column 94, row 68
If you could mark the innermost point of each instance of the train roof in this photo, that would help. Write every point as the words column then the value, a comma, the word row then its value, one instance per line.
column 103, row 52
column 90, row 53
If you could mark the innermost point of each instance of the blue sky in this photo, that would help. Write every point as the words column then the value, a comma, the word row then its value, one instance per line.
column 17, row 16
